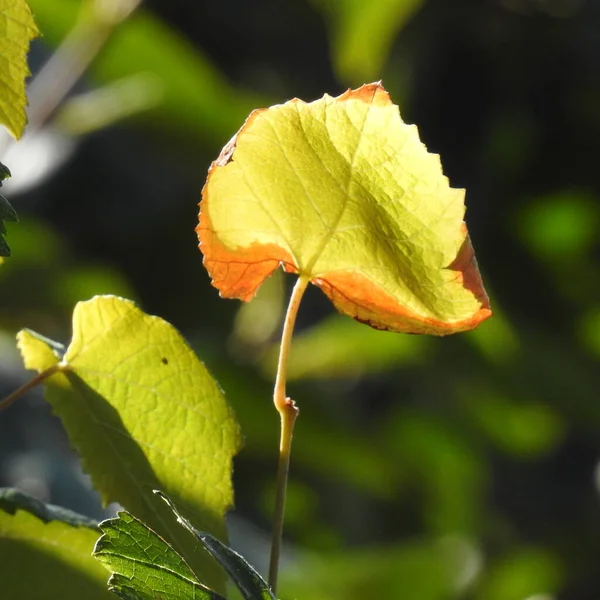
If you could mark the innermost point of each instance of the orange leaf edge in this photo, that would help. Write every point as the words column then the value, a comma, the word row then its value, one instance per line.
column 239, row 273
column 375, row 307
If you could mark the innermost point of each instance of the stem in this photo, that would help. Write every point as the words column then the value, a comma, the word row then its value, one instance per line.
column 6, row 402
column 287, row 412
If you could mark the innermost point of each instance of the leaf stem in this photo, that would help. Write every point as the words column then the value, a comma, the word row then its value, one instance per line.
column 6, row 402
column 288, row 412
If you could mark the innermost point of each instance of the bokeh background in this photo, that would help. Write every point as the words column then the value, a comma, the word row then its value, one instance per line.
column 456, row 468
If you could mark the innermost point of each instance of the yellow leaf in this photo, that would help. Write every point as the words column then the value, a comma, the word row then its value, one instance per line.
column 343, row 191
column 143, row 413
column 17, row 29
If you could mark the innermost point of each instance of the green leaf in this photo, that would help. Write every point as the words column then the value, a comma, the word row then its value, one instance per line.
column 248, row 580
column 44, row 543
column 561, row 228
column 525, row 572
column 7, row 213
column 339, row 347
column 363, row 33
column 521, row 426
column 342, row 192
column 143, row 565
column 418, row 569
column 18, row 27
column 144, row 413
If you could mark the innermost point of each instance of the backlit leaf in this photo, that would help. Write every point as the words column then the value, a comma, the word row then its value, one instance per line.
column 248, row 580
column 431, row 571
column 44, row 543
column 526, row 572
column 144, row 413
column 363, row 33
column 339, row 347
column 143, row 565
column 342, row 191
column 18, row 29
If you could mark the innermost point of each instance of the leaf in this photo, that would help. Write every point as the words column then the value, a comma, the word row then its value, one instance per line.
column 143, row 412
column 524, row 572
column 7, row 213
column 18, row 27
column 338, row 347
column 248, row 580
column 143, row 565
column 44, row 543
column 342, row 191
column 418, row 569
column 521, row 427
column 363, row 33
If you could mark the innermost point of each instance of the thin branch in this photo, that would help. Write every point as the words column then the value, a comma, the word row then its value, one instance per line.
column 288, row 412
column 6, row 402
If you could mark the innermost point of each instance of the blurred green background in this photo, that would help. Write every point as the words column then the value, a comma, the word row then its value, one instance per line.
column 456, row 468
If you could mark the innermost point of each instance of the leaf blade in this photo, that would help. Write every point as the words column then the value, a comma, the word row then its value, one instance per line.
column 17, row 21
column 342, row 190
column 143, row 412
column 248, row 580
column 363, row 32
column 7, row 213
column 143, row 564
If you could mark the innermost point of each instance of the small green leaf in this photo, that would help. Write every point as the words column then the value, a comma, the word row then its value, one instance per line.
column 248, row 580
column 143, row 565
column 340, row 347
column 53, row 544
column 144, row 413
column 7, row 213
column 18, row 29
column 363, row 34
column 4, row 173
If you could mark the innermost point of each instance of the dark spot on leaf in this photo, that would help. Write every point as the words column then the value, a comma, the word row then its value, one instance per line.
column 164, row 361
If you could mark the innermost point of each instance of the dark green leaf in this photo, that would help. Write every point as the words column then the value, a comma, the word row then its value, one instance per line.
column 7, row 213
column 143, row 565
column 247, row 579
column 4, row 173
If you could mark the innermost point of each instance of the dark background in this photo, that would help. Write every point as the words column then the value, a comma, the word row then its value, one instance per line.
column 462, row 467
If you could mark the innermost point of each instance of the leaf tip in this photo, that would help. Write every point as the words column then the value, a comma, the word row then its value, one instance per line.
column 370, row 93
